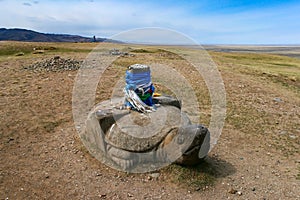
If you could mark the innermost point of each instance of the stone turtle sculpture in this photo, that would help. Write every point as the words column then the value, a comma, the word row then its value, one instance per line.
column 132, row 141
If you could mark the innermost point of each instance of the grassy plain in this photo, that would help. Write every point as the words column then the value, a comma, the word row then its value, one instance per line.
column 257, row 153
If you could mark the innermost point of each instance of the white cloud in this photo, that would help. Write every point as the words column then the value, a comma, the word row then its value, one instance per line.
column 26, row 4
column 105, row 18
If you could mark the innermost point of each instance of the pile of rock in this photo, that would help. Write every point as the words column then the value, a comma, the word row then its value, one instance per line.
column 56, row 64
column 117, row 52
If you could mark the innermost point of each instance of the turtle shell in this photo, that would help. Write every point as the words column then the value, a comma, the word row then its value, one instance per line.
column 140, row 132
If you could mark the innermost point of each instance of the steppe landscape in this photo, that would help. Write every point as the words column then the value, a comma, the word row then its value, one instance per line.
column 257, row 155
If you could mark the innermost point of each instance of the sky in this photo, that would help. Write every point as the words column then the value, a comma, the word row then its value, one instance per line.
column 205, row 21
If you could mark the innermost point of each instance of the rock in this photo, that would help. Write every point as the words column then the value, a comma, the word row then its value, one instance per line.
column 117, row 52
column 20, row 54
column 282, row 132
column 119, row 138
column 232, row 191
column 129, row 195
column 239, row 193
column 294, row 79
column 133, row 141
column 10, row 139
column 155, row 175
column 98, row 174
column 293, row 136
column 277, row 99
column 38, row 52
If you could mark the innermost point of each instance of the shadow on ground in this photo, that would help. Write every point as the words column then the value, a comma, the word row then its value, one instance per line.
column 200, row 176
column 217, row 167
column 213, row 166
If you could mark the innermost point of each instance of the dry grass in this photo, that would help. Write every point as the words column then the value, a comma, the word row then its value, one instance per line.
column 252, row 82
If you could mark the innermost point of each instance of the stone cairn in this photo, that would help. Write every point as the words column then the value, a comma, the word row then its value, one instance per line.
column 55, row 64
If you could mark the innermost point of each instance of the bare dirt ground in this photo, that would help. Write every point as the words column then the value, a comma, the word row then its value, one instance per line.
column 257, row 155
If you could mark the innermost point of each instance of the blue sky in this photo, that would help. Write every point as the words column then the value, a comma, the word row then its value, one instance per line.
column 206, row 21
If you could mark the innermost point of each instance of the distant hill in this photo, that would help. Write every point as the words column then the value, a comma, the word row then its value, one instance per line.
column 25, row 35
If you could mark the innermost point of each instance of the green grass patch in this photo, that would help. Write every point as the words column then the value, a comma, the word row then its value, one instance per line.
column 148, row 50
column 278, row 69
column 194, row 177
column 50, row 125
column 26, row 48
column 15, row 50
column 274, row 64
column 69, row 50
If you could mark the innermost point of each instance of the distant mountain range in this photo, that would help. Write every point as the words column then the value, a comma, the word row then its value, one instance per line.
column 25, row 35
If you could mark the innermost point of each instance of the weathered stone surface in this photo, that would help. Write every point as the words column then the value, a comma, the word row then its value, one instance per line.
column 142, row 132
column 130, row 138
column 192, row 155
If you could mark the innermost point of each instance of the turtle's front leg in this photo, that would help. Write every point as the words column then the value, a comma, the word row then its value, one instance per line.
column 199, row 147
